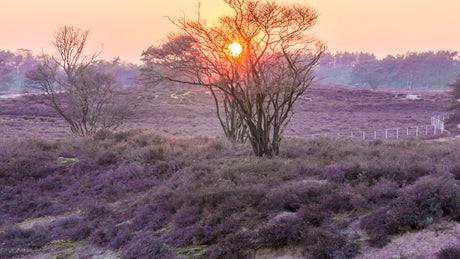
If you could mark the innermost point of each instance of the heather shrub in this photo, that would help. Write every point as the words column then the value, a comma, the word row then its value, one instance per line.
column 73, row 228
column 19, row 204
column 82, row 166
column 292, row 195
column 107, row 157
column 288, row 230
column 214, row 228
column 121, row 235
column 451, row 252
column 455, row 171
column 379, row 194
column 179, row 236
column 334, row 174
column 103, row 134
column 314, row 214
column 114, row 236
column 149, row 216
column 338, row 202
column 32, row 238
column 187, row 215
column 147, row 245
column 428, row 199
column 323, row 243
column 96, row 212
column 237, row 245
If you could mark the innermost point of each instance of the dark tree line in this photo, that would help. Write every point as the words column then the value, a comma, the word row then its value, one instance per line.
column 15, row 65
column 413, row 69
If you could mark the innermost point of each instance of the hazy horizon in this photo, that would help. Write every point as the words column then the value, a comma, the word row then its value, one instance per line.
column 124, row 29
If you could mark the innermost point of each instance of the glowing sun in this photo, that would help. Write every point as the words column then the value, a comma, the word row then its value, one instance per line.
column 235, row 49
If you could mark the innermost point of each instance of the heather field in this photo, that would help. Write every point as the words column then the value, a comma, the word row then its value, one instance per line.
column 181, row 110
column 168, row 184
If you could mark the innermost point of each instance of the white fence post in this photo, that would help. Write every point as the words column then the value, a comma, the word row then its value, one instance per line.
column 397, row 133
column 416, row 131
column 375, row 134
column 386, row 133
column 364, row 136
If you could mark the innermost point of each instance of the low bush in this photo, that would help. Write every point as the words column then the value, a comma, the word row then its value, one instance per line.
column 427, row 200
column 147, row 245
column 237, row 245
column 289, row 230
column 32, row 238
column 451, row 252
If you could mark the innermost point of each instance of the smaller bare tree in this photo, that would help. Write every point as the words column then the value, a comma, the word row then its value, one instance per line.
column 72, row 85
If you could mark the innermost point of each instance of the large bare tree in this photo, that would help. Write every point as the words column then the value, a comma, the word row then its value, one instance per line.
column 259, row 80
column 72, row 84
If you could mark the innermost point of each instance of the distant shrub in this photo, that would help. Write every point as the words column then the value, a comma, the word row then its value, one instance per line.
column 147, row 245
column 103, row 134
column 451, row 252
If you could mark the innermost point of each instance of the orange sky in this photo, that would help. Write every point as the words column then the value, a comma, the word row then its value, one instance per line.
column 126, row 27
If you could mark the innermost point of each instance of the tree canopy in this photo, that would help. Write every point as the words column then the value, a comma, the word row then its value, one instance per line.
column 254, row 90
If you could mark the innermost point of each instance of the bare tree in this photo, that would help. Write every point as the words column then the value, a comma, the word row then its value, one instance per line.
column 75, row 88
column 261, row 80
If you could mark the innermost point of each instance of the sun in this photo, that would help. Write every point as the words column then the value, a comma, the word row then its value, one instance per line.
column 235, row 49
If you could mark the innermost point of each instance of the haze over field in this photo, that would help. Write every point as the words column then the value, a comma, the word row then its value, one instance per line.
column 125, row 28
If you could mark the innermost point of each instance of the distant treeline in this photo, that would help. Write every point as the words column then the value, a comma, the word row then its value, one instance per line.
column 413, row 69
column 15, row 65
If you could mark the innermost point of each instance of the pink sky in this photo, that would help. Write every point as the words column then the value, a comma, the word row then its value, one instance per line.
column 126, row 27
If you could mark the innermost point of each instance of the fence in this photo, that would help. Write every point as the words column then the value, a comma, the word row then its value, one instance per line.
column 436, row 128
column 438, row 122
